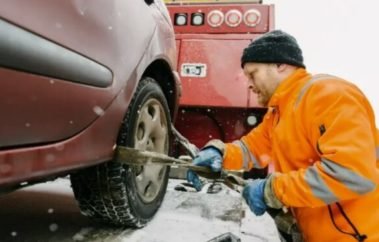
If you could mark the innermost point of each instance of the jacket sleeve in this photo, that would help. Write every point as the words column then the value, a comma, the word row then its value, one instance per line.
column 252, row 150
column 340, row 125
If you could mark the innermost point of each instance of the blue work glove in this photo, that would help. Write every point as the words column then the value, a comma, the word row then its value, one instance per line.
column 209, row 157
column 194, row 179
column 253, row 193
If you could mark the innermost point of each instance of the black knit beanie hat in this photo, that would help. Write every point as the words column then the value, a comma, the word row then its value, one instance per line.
column 273, row 47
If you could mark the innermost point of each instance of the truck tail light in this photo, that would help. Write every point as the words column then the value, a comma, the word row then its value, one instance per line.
column 233, row 18
column 215, row 18
column 221, row 18
column 197, row 19
column 180, row 19
column 252, row 17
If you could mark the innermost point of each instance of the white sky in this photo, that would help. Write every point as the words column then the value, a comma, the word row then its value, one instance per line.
column 338, row 37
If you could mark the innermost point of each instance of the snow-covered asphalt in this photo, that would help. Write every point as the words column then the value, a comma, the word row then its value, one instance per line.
column 48, row 212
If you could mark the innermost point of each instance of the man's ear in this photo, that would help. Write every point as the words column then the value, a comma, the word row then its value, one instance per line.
column 282, row 67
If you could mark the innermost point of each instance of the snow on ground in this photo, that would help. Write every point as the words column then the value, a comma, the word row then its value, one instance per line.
column 48, row 212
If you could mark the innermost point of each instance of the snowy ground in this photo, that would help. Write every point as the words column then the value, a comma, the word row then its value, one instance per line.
column 48, row 212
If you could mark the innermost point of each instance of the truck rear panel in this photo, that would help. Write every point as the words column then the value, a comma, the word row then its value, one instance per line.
column 210, row 37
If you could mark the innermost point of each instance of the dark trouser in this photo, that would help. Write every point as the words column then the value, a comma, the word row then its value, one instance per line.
column 286, row 225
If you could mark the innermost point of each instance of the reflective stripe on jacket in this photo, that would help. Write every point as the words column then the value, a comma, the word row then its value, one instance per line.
column 320, row 135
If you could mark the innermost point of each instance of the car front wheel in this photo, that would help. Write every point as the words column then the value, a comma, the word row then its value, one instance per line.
column 129, row 194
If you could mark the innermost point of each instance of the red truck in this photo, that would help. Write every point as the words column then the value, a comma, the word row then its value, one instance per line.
column 216, row 102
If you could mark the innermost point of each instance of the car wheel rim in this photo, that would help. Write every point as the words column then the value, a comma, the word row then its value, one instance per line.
column 151, row 134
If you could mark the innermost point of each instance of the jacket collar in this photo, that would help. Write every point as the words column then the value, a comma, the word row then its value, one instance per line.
column 288, row 88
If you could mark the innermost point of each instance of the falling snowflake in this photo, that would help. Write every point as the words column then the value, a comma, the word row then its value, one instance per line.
column 59, row 147
column 50, row 157
column 53, row 227
column 98, row 110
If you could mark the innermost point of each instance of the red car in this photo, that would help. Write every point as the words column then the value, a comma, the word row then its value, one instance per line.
column 77, row 79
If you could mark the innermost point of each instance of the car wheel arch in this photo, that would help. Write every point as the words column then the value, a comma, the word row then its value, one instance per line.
column 161, row 71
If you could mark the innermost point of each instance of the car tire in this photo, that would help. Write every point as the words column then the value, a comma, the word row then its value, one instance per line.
column 127, row 194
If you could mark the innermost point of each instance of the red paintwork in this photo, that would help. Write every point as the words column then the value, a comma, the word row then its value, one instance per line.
column 220, row 50
column 225, row 84
column 218, row 104
column 50, row 126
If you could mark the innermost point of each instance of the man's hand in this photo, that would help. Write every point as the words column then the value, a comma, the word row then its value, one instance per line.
column 253, row 193
column 260, row 196
column 210, row 157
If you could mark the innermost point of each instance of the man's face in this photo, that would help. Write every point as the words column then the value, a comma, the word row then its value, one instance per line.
column 263, row 80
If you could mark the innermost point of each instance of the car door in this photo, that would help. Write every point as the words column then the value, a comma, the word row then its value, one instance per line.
column 63, row 62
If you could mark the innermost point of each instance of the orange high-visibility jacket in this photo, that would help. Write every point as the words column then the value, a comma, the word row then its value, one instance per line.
column 320, row 134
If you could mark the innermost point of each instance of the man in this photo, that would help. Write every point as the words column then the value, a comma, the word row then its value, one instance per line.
column 319, row 132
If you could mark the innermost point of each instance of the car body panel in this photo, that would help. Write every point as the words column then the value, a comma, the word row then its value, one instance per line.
column 53, row 125
column 26, row 51
column 99, row 38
